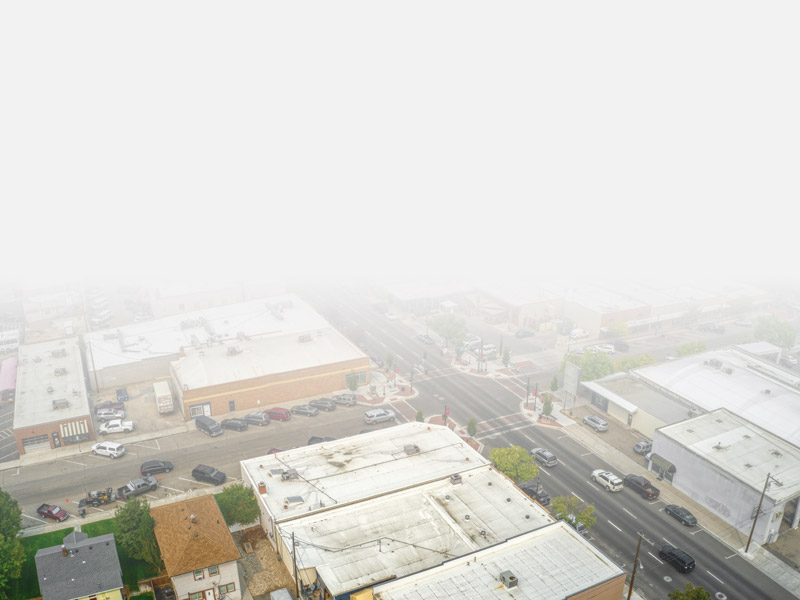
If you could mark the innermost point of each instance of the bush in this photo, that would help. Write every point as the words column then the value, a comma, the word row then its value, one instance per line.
column 472, row 427
column 420, row 416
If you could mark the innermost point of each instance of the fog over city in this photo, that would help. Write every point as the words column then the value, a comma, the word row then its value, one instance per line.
column 196, row 139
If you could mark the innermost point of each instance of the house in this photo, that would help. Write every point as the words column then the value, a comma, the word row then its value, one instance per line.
column 199, row 553
column 82, row 567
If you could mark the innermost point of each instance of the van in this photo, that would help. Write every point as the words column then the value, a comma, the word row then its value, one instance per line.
column 677, row 558
column 208, row 426
column 643, row 447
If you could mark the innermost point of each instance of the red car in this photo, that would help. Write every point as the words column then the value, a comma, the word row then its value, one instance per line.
column 278, row 414
column 51, row 511
column 109, row 404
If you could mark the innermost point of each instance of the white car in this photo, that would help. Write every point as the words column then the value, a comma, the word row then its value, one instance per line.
column 607, row 479
column 117, row 426
column 112, row 449
column 607, row 348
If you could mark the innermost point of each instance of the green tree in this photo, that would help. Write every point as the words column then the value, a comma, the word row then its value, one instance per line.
column 472, row 427
column 135, row 531
column 554, row 383
column 352, row 382
column 515, row 462
column 11, row 552
column 420, row 416
column 690, row 592
column 618, row 329
column 547, row 405
column 238, row 504
column 691, row 348
column 563, row 506
column 633, row 362
column 594, row 365
column 775, row 331
column 389, row 361
column 506, row 356
column 450, row 327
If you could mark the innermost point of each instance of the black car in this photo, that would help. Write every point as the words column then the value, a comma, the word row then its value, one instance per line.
column 314, row 439
column 122, row 395
column 305, row 409
column 536, row 491
column 209, row 475
column 155, row 466
column 234, row 424
column 325, row 404
column 257, row 418
column 681, row 514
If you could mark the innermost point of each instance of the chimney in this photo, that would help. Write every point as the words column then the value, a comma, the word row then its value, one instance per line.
column 192, row 517
column 63, row 550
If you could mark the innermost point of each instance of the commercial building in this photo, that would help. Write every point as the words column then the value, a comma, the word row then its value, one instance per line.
column 51, row 407
column 725, row 463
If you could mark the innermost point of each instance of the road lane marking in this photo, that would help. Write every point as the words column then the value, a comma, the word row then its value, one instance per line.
column 587, row 454
column 74, row 462
column 654, row 556
column 715, row 577
column 192, row 481
column 630, row 513
column 576, row 495
column 561, row 462
column 544, row 472
column 666, row 540
column 614, row 526
column 731, row 556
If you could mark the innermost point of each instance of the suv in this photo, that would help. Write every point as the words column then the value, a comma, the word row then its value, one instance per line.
column 112, row 449
column 155, row 466
column 108, row 414
column 378, row 415
column 677, row 558
column 643, row 447
column 208, row 475
column 607, row 479
column 234, row 424
column 208, row 426
column 544, row 456
column 325, row 404
column 278, row 414
column 257, row 418
column 595, row 422
column 346, row 399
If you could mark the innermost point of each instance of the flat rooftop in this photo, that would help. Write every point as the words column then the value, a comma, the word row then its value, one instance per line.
column 166, row 336
column 743, row 450
column 756, row 389
column 411, row 530
column 239, row 360
column 550, row 563
column 357, row 468
column 605, row 301
column 632, row 393
column 47, row 372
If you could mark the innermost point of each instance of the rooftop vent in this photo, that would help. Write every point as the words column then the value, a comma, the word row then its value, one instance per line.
column 716, row 363
column 748, row 466
column 767, row 392
column 455, row 479
column 509, row 579
column 233, row 350
column 776, row 453
column 59, row 353
column 306, row 337
column 60, row 371
column 289, row 475
column 719, row 446
column 411, row 449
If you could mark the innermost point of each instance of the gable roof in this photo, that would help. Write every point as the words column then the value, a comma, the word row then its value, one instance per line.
column 90, row 567
column 189, row 544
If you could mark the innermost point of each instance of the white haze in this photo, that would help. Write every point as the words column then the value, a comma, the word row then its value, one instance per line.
column 337, row 139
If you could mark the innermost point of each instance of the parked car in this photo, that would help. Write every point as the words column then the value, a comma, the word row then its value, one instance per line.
column 52, row 511
column 621, row 346
column 346, row 399
column 305, row 409
column 681, row 514
column 208, row 426
column 643, row 447
column 155, row 466
column 544, row 456
column 315, row 439
column 595, row 422
column 276, row 413
column 378, row 415
column 536, row 491
column 137, row 487
column 112, row 449
column 234, row 424
column 577, row 334
column 712, row 327
column 257, row 418
column 425, row 338
column 209, row 475
column 607, row 479
column 523, row 333
column 573, row 522
column 676, row 557
column 788, row 360
column 641, row 486
column 108, row 404
column 122, row 394
column 117, row 426
column 109, row 414
column 326, row 404
column 607, row 348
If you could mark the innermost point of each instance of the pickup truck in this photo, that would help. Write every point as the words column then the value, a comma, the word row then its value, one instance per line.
column 135, row 487
column 117, row 426
column 51, row 511
column 641, row 486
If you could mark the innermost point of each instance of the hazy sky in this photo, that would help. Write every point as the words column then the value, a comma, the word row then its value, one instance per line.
column 412, row 138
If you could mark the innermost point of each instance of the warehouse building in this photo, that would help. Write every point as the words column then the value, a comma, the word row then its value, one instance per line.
column 51, row 407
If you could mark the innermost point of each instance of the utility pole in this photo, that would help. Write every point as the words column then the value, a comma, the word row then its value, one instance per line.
column 294, row 566
column 758, row 510
column 527, row 391
column 635, row 564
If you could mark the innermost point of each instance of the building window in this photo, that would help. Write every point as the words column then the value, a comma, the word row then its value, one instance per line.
column 196, row 596
column 213, row 571
column 227, row 588
column 196, row 411
column 198, row 574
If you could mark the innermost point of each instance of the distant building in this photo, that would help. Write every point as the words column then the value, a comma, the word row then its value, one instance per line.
column 80, row 568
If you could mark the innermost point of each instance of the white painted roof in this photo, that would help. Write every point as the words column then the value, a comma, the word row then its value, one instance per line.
column 742, row 391
column 411, row 530
column 744, row 451
column 356, row 468
column 551, row 563
column 166, row 336
column 36, row 373
column 239, row 360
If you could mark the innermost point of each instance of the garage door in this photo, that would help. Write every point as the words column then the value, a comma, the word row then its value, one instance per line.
column 33, row 444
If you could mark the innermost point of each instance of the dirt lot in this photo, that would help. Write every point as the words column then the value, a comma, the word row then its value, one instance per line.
column 618, row 435
column 263, row 573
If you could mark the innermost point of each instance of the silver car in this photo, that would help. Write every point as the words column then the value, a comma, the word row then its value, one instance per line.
column 595, row 423
column 378, row 415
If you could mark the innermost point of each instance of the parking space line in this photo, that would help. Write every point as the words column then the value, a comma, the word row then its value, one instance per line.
column 576, row 495
column 34, row 518
column 74, row 462
column 715, row 577
column 666, row 540
column 654, row 556
column 731, row 556
column 630, row 513
column 542, row 471
column 614, row 526
column 169, row 488
column 192, row 481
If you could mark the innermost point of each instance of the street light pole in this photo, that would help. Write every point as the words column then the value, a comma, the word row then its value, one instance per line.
column 758, row 510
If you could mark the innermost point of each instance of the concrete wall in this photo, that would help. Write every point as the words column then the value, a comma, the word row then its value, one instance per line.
column 49, row 429
column 128, row 374
column 612, row 589
column 720, row 492
column 645, row 423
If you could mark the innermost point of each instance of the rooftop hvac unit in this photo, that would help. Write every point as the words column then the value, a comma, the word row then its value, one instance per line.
column 411, row 449
column 289, row 475
column 306, row 337
column 509, row 579
column 60, row 371
column 455, row 479
column 233, row 350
